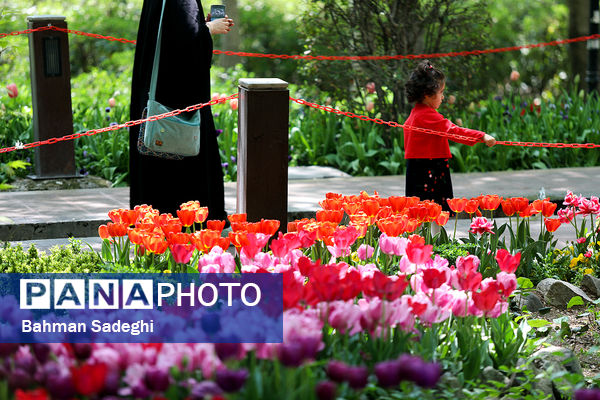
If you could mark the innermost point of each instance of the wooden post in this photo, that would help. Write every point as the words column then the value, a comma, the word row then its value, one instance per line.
column 51, row 97
column 262, row 174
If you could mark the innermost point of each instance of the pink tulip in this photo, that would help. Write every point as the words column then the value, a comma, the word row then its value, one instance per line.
column 12, row 90
column 418, row 253
column 481, row 225
column 233, row 103
column 514, row 75
column 112, row 102
column 370, row 106
column 215, row 96
column 507, row 283
column 365, row 251
column 182, row 252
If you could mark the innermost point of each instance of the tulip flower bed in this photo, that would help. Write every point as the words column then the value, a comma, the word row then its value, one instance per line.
column 371, row 311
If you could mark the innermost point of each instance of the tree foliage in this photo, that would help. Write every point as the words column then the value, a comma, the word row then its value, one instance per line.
column 391, row 27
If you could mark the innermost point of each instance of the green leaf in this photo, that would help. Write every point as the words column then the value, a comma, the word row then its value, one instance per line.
column 538, row 323
column 524, row 283
column 575, row 301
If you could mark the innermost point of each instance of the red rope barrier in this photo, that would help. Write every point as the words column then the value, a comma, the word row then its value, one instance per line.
column 393, row 124
column 443, row 134
column 91, row 132
column 340, row 58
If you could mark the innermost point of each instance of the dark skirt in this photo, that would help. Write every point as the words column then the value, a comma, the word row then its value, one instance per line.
column 429, row 179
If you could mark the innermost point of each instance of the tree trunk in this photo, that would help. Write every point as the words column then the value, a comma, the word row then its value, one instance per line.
column 231, row 41
column 579, row 15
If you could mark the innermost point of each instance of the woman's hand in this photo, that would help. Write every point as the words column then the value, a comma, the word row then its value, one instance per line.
column 219, row 26
column 489, row 140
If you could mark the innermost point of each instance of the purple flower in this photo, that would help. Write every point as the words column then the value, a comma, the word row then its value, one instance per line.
column 337, row 370
column 325, row 390
column 41, row 351
column 224, row 165
column 225, row 351
column 205, row 388
column 19, row 379
column 6, row 349
column 388, row 373
column 219, row 131
column 61, row 387
column 157, row 379
column 291, row 354
column 107, row 109
column 82, row 351
column 357, row 377
column 113, row 124
column 231, row 380
column 587, row 394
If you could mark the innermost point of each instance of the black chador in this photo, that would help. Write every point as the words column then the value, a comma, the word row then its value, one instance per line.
column 183, row 80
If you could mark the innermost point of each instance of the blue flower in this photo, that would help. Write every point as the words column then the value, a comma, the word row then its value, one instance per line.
column 107, row 109
column 233, row 159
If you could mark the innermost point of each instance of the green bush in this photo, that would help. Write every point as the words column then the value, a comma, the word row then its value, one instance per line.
column 72, row 258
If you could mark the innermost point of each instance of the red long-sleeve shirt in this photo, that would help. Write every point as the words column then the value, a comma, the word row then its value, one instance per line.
column 426, row 145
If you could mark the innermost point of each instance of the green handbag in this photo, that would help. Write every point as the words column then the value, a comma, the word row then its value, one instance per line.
column 173, row 137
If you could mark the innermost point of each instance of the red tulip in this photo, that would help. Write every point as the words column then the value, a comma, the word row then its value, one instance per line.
column 486, row 299
column 418, row 253
column 89, row 379
column 552, row 224
column 507, row 262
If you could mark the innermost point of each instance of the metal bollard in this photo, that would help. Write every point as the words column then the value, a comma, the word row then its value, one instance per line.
column 51, row 97
column 263, row 125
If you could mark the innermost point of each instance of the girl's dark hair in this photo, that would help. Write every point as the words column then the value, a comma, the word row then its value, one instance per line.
column 425, row 80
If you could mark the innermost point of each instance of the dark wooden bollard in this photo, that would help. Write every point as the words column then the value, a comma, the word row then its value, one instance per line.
column 51, row 97
column 262, row 174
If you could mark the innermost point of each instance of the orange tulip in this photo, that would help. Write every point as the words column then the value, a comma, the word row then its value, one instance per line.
column 154, row 243
column 238, row 239
column 331, row 204
column 471, row 206
column 397, row 203
column 519, row 203
column 172, row 226
column 351, row 208
column 370, row 207
column 186, row 217
column 325, row 232
column 507, row 208
column 215, row 225
column 546, row 207
column 135, row 235
column 269, row 226
column 384, row 212
column 552, row 224
column 330, row 215
column 359, row 218
column 443, row 218
column 412, row 201
column 412, row 224
column 222, row 242
column 419, row 212
column 237, row 218
column 433, row 210
column 490, row 202
column 528, row 211
column 178, row 238
column 457, row 204
column 393, row 226
column 292, row 226
column 361, row 228
column 117, row 230
column 115, row 215
column 206, row 239
column 103, row 232
column 331, row 195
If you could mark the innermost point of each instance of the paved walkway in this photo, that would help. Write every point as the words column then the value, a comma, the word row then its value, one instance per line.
column 47, row 218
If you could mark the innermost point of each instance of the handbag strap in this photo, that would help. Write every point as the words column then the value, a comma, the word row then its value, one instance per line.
column 152, row 92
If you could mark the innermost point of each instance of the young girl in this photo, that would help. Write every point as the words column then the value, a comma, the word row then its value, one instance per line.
column 427, row 155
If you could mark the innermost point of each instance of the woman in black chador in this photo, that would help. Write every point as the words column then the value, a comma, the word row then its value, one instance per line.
column 183, row 80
